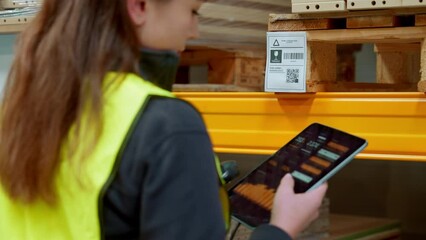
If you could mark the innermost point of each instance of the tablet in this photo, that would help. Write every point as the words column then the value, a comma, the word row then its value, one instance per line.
column 312, row 157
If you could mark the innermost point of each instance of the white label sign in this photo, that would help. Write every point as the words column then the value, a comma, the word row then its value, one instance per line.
column 286, row 62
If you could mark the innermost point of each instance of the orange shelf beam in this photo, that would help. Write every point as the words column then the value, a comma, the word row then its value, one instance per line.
column 259, row 123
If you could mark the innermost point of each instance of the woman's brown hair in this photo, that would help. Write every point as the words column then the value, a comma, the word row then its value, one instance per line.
column 61, row 59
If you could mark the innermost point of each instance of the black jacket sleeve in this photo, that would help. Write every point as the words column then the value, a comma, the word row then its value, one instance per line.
column 166, row 185
column 180, row 198
column 269, row 232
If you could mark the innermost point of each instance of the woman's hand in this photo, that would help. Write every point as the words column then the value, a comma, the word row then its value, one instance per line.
column 294, row 212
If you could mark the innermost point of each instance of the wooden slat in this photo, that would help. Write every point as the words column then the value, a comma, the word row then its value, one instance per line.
column 393, row 47
column 362, row 13
column 282, row 3
column 250, row 72
column 339, row 86
column 379, row 35
column 359, row 227
column 12, row 28
column 237, row 24
column 272, row 6
column 10, row 4
column 383, row 18
column 203, row 56
column 372, row 21
column 301, row 25
column 231, row 13
column 14, row 24
column 228, row 31
column 421, row 20
column 211, row 88
column 397, row 63
column 228, row 35
column 422, row 86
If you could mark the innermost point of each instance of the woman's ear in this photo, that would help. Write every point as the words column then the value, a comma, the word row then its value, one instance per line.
column 137, row 11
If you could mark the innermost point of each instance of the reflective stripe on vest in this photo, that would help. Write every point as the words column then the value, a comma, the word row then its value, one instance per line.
column 223, row 195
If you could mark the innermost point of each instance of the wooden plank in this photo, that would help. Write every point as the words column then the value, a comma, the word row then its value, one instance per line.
column 301, row 25
column 319, row 6
column 397, row 63
column 397, row 47
column 11, row 4
column 358, row 227
column 339, row 86
column 295, row 21
column 14, row 24
column 368, row 35
column 203, row 56
column 12, row 28
column 372, row 4
column 232, row 13
column 232, row 24
column 421, row 20
column 245, row 69
column 361, row 13
column 14, row 20
column 320, row 70
column 230, row 42
column 229, row 36
column 372, row 21
column 250, row 72
column 422, row 86
column 271, row 6
column 422, row 65
column 282, row 3
column 211, row 88
column 221, row 70
column 413, row 3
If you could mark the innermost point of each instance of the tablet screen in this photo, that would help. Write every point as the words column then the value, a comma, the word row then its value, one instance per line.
column 311, row 157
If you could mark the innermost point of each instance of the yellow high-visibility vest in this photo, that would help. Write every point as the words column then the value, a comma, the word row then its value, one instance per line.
column 76, row 212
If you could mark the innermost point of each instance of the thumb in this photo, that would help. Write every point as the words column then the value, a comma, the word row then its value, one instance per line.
column 319, row 191
column 288, row 183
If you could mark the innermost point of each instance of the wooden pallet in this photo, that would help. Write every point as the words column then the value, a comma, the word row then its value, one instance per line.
column 401, row 17
column 237, row 24
column 227, row 70
column 399, row 37
column 12, row 4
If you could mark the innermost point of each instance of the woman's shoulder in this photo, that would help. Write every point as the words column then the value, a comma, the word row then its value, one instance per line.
column 171, row 113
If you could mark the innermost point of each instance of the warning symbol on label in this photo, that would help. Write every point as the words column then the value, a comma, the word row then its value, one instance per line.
column 276, row 43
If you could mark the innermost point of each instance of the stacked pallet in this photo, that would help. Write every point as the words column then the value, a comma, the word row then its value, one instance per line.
column 15, row 14
column 315, row 6
column 237, row 24
column 226, row 70
column 231, row 46
column 16, row 4
column 398, row 36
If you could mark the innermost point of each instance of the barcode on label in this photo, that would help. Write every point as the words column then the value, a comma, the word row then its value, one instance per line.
column 292, row 76
column 293, row 55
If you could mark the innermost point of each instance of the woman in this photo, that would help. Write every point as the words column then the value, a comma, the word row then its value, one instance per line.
column 90, row 149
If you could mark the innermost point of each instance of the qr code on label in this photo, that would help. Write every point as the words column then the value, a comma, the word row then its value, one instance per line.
column 292, row 76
